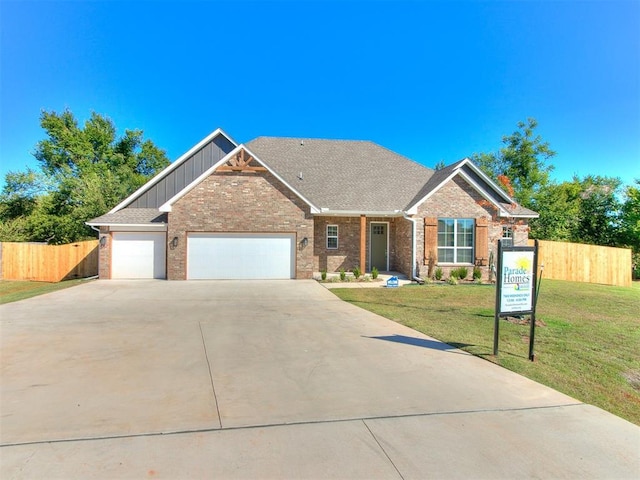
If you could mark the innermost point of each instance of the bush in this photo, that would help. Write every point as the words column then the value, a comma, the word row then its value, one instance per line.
column 438, row 274
column 343, row 275
column 323, row 275
column 356, row 272
column 460, row 273
column 452, row 280
column 477, row 273
column 374, row 273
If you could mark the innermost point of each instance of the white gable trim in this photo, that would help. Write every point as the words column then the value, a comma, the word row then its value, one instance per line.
column 170, row 168
column 167, row 206
column 413, row 210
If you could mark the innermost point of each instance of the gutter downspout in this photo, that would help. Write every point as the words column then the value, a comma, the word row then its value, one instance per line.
column 413, row 243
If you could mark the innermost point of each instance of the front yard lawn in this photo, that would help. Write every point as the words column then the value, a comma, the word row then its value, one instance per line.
column 588, row 347
column 13, row 290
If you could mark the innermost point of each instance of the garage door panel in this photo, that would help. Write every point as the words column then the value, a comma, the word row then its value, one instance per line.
column 138, row 255
column 240, row 256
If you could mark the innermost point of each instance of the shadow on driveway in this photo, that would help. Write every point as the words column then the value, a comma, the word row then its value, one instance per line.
column 423, row 342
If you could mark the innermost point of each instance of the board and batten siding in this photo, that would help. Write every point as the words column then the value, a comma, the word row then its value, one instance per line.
column 184, row 174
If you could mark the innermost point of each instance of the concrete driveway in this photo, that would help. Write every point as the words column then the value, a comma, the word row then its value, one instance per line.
column 281, row 379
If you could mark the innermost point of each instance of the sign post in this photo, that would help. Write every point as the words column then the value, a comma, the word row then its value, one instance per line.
column 516, row 287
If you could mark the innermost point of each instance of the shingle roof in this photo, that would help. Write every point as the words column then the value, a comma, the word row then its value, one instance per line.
column 344, row 175
column 131, row 216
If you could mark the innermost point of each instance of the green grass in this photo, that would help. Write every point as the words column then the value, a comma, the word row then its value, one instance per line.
column 12, row 291
column 588, row 348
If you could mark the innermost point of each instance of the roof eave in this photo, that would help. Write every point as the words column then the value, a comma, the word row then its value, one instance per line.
column 326, row 212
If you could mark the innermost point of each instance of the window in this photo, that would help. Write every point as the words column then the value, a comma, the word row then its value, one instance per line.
column 507, row 235
column 455, row 240
column 332, row 236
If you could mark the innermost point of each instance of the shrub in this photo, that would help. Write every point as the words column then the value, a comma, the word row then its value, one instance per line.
column 452, row 280
column 374, row 273
column 460, row 273
column 477, row 273
column 343, row 275
column 323, row 275
column 356, row 272
column 438, row 274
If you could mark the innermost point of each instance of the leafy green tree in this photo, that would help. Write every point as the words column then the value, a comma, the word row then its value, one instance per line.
column 599, row 211
column 630, row 217
column 522, row 160
column 84, row 172
column 558, row 205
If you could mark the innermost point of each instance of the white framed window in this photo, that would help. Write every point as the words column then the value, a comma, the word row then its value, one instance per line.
column 507, row 235
column 455, row 240
column 332, row 237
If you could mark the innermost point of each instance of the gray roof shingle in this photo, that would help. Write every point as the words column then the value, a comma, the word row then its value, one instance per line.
column 131, row 216
column 344, row 175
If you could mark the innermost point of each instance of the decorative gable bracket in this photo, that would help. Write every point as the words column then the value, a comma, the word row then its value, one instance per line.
column 241, row 162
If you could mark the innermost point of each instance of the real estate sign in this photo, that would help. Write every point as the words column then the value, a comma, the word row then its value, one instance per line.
column 516, row 281
column 516, row 287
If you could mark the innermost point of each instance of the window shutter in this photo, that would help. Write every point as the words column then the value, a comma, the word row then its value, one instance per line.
column 482, row 241
column 430, row 239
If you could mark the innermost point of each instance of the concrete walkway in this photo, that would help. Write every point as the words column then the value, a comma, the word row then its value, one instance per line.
column 281, row 379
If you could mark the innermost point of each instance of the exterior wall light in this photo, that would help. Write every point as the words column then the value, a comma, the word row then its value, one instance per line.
column 305, row 242
column 174, row 242
column 103, row 241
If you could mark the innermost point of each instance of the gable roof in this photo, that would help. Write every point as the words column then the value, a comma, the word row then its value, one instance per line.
column 173, row 178
column 334, row 177
column 344, row 176
column 166, row 207
column 481, row 182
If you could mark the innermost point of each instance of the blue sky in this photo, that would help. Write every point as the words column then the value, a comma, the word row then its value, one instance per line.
column 428, row 79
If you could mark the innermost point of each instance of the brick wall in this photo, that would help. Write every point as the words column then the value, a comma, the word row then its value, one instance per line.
column 347, row 255
column 104, row 254
column 240, row 202
column 458, row 199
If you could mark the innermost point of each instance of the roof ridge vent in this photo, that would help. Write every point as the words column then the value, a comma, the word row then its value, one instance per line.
column 302, row 142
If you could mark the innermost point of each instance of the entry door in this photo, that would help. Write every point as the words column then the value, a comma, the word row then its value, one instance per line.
column 380, row 246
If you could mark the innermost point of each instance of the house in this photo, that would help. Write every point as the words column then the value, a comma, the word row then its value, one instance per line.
column 289, row 207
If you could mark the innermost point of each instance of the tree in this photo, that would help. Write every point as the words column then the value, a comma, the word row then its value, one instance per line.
column 599, row 211
column 522, row 160
column 84, row 172
column 558, row 205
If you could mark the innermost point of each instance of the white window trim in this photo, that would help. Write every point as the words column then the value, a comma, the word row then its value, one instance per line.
column 455, row 247
column 336, row 236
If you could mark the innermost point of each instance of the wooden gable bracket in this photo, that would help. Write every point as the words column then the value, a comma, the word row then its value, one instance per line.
column 240, row 162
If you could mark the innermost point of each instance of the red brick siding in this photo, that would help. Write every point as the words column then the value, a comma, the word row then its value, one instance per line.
column 458, row 199
column 104, row 254
column 347, row 255
column 240, row 202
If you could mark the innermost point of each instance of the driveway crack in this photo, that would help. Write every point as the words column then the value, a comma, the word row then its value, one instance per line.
column 382, row 448
column 213, row 387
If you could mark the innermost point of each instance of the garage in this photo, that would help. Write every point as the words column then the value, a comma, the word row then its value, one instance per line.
column 138, row 255
column 240, row 256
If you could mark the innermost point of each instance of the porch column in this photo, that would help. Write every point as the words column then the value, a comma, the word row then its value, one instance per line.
column 363, row 242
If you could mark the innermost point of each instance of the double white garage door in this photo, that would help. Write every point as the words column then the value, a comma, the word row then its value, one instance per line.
column 209, row 255
column 240, row 256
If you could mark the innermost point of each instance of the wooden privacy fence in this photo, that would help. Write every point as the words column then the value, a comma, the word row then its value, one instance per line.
column 585, row 263
column 48, row 263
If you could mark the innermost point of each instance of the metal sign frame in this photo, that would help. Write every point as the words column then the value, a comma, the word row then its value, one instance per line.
column 516, row 287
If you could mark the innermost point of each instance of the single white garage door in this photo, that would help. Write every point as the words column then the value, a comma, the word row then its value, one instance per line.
column 240, row 256
column 138, row 255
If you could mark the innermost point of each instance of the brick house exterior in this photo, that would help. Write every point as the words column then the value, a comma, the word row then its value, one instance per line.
column 286, row 208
